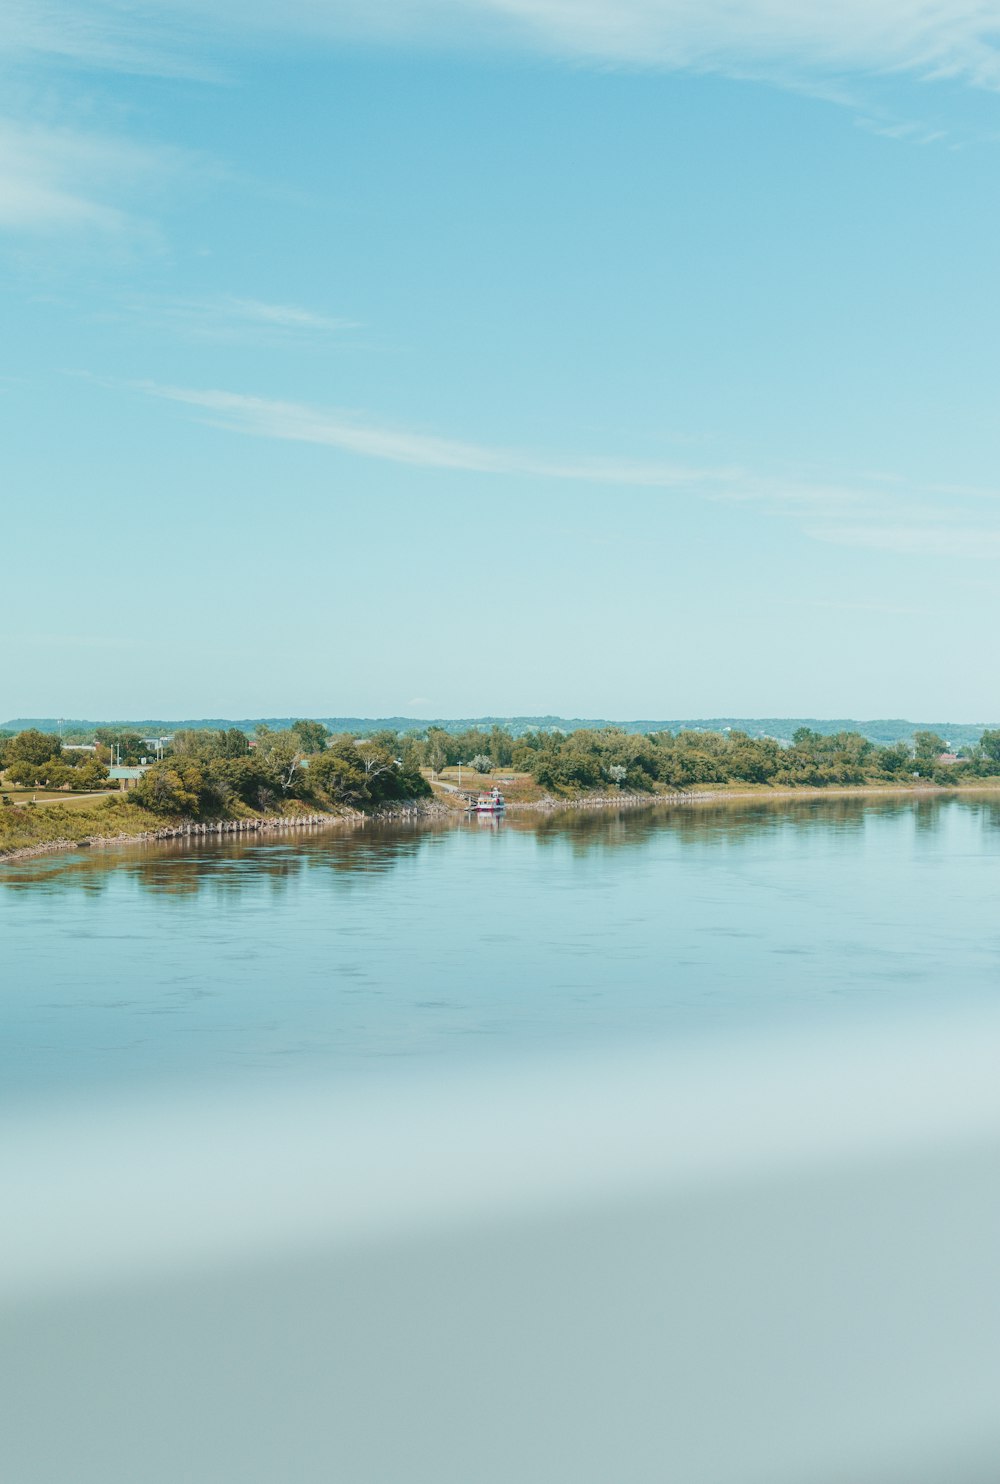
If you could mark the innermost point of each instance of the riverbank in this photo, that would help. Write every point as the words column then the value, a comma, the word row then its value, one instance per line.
column 115, row 822
column 762, row 793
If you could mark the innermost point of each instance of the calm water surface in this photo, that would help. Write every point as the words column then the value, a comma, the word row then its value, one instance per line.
column 335, row 954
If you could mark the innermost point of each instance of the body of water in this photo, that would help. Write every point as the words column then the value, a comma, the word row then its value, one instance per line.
column 335, row 953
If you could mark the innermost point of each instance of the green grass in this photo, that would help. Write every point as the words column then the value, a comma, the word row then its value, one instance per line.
column 22, row 796
column 73, row 820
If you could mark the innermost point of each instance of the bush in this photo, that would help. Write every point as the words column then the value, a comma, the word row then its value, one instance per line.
column 169, row 789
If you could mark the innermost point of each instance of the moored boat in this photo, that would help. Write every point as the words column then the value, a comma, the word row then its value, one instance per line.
column 491, row 803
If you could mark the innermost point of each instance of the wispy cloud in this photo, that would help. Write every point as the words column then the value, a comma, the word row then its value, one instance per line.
column 879, row 513
column 348, row 431
column 113, row 35
column 227, row 318
column 769, row 38
column 943, row 537
column 904, row 132
column 54, row 179
column 284, row 316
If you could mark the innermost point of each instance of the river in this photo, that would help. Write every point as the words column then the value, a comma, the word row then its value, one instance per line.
column 334, row 953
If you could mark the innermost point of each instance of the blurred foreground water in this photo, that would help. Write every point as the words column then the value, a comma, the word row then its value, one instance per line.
column 653, row 1147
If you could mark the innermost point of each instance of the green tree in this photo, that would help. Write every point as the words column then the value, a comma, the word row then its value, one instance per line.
column 927, row 748
column 170, row 788
column 90, row 774
column 337, row 775
column 283, row 753
column 989, row 746
column 501, row 747
column 894, row 761
column 312, row 735
column 928, row 745
column 33, row 746
column 234, row 743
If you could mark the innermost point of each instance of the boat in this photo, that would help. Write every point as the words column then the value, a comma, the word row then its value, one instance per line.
column 491, row 803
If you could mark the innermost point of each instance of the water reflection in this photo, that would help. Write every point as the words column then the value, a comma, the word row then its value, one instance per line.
column 333, row 950
column 229, row 865
column 184, row 866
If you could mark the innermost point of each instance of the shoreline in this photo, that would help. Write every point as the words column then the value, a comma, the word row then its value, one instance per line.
column 270, row 824
column 762, row 793
column 436, row 809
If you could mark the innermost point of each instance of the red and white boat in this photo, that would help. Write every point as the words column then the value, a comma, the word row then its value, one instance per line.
column 491, row 803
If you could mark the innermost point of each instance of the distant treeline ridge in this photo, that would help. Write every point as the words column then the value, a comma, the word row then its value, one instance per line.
column 883, row 732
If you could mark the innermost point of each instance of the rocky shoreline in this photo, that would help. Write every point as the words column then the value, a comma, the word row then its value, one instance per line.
column 270, row 824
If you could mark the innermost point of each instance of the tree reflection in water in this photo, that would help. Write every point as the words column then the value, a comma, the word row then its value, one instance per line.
column 226, row 867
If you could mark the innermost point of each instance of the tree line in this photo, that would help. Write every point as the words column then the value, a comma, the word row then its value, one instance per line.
column 592, row 759
column 206, row 771
column 586, row 760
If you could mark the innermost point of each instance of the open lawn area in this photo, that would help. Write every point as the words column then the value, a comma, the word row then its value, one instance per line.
column 22, row 796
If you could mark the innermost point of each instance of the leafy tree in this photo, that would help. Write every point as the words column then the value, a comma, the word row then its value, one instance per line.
column 90, row 774
column 989, row 746
column 348, row 773
column 283, row 753
column 378, row 764
column 338, row 775
column 927, row 748
column 439, row 749
column 234, row 743
column 928, row 745
column 312, row 735
column 482, row 762
column 170, row 788
column 33, row 746
column 27, row 774
column 501, row 747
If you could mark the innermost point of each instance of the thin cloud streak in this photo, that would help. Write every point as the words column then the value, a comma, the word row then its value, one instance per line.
column 106, row 35
column 886, row 515
column 945, row 539
column 227, row 318
column 294, row 422
column 776, row 40
column 54, row 179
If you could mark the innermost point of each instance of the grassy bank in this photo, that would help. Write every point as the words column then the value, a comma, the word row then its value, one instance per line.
column 522, row 793
column 78, row 821
column 52, row 826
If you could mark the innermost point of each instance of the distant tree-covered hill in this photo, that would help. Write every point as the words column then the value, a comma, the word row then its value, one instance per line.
column 883, row 732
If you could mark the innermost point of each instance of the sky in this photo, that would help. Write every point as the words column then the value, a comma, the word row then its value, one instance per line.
column 615, row 358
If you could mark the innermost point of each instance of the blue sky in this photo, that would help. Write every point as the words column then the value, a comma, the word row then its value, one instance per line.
column 509, row 356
